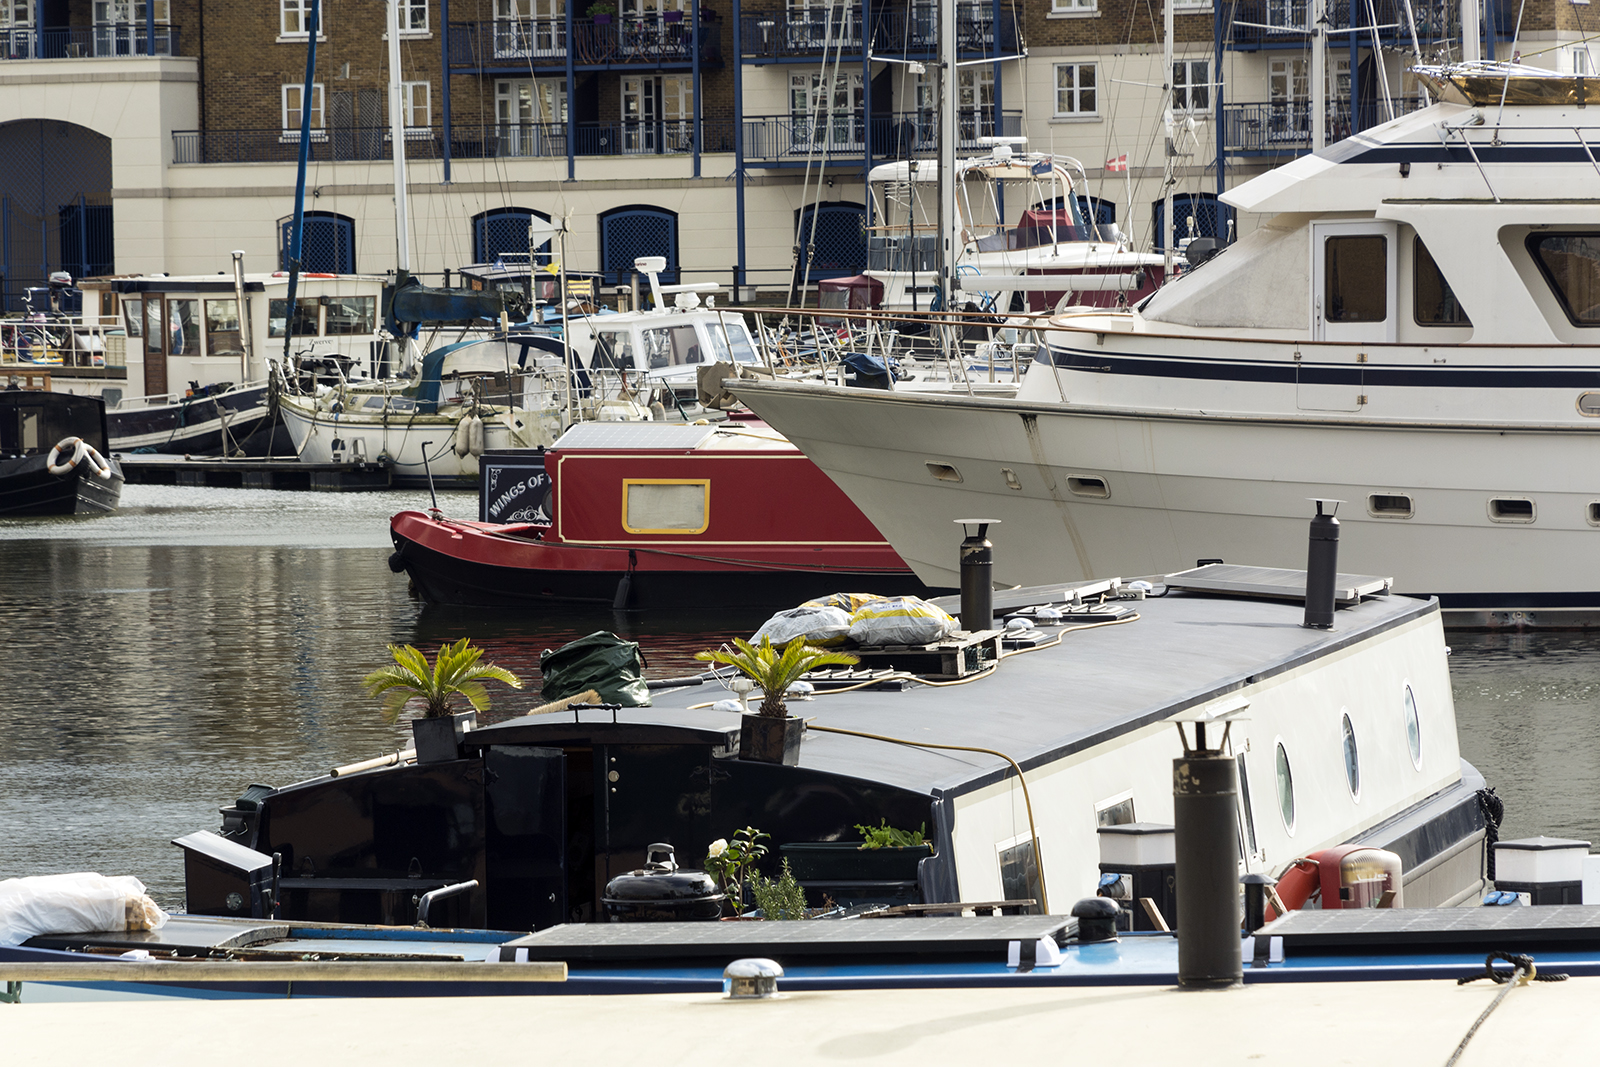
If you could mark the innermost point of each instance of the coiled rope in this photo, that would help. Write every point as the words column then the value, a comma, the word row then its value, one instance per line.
column 1522, row 972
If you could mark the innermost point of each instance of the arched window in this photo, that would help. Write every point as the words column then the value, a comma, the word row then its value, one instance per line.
column 1098, row 209
column 838, row 248
column 626, row 233
column 329, row 246
column 1211, row 217
column 504, row 232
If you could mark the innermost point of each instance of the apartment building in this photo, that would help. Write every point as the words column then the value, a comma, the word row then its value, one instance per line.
column 159, row 135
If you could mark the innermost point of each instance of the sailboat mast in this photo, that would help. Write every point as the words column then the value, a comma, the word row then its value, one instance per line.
column 1171, row 149
column 397, row 141
column 1319, row 79
column 297, row 230
column 947, row 152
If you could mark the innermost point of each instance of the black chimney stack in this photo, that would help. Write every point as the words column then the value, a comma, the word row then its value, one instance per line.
column 977, row 576
column 1322, row 567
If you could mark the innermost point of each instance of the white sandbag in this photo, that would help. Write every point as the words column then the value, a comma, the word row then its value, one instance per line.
column 818, row 625
column 902, row 620
column 74, row 904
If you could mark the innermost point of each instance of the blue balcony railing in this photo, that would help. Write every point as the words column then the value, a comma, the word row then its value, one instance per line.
column 1285, row 128
column 504, row 140
column 777, row 138
column 83, row 42
column 656, row 39
column 1282, row 23
column 914, row 30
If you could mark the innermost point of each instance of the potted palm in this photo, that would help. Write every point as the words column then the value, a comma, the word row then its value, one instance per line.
column 456, row 672
column 772, row 735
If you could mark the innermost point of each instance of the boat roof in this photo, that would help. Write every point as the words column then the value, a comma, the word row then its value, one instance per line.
column 1186, row 650
column 222, row 282
column 742, row 436
column 1018, row 167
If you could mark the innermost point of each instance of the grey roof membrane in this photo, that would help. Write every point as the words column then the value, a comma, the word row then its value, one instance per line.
column 1506, row 928
column 1184, row 650
column 631, row 435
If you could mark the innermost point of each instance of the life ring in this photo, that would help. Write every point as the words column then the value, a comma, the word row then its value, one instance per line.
column 1299, row 884
column 77, row 444
column 102, row 469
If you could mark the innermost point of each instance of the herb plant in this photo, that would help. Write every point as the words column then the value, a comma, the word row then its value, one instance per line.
column 886, row 836
column 731, row 862
column 781, row 897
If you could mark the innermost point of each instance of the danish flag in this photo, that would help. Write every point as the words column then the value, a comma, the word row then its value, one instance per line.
column 1120, row 163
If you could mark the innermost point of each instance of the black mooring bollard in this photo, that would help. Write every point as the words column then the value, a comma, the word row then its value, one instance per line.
column 1322, row 567
column 977, row 576
column 1205, row 812
column 1255, row 900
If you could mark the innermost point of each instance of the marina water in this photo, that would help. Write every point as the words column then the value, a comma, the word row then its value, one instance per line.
column 161, row 659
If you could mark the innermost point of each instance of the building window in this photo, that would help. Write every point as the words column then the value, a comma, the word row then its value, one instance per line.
column 809, row 106
column 626, row 233
column 1191, row 85
column 292, row 96
column 414, row 16
column 1075, row 90
column 294, row 18
column 532, row 117
column 329, row 246
column 414, row 103
column 658, row 113
column 16, row 14
column 504, row 232
column 832, row 239
column 1073, row 7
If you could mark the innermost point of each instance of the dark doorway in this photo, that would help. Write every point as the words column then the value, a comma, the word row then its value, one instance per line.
column 55, row 205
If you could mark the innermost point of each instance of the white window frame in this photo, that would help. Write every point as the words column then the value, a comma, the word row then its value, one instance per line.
column 1183, row 96
column 1067, row 9
column 1191, row 5
column 1077, row 90
column 300, row 12
column 411, row 109
column 410, row 26
column 319, row 113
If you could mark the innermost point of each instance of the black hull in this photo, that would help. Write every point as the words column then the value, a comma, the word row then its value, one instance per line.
column 28, row 488
column 442, row 579
column 194, row 427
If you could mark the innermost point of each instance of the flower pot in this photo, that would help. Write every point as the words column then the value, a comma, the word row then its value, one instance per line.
column 602, row 20
column 439, row 739
column 672, row 16
column 765, row 740
column 846, row 861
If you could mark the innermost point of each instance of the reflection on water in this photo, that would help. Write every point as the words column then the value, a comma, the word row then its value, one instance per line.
column 162, row 658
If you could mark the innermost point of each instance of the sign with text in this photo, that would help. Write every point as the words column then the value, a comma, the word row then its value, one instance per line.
column 513, row 487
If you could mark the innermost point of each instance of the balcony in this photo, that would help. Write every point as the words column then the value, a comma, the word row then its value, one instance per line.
column 801, row 33
column 84, row 42
column 1282, row 23
column 513, row 45
column 501, row 141
column 780, row 139
column 1283, row 129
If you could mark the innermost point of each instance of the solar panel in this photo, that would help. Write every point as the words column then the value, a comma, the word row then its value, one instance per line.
column 1509, row 928
column 634, row 435
column 1274, row 582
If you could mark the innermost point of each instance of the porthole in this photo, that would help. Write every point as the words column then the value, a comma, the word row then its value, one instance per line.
column 1352, row 758
column 1511, row 509
column 1285, row 789
column 1413, row 729
column 1592, row 512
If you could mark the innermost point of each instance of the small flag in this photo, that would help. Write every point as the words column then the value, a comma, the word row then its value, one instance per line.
column 1044, row 166
column 499, row 264
column 1120, row 163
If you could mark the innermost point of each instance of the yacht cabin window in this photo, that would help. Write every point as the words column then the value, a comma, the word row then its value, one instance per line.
column 305, row 322
column 671, row 347
column 742, row 351
column 1433, row 304
column 222, row 328
column 351, row 314
column 1570, row 263
column 613, row 349
column 1355, row 279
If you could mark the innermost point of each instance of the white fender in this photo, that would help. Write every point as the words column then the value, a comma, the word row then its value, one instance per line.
column 474, row 435
column 462, row 434
column 77, row 444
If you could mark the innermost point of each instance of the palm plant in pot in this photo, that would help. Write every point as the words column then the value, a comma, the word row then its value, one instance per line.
column 455, row 672
column 772, row 735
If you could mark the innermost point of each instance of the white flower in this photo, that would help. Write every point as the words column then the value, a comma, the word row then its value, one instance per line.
column 718, row 847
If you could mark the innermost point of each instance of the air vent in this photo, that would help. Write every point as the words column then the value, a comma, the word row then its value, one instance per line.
column 944, row 472
column 1390, row 506
column 1089, row 487
column 1593, row 512
column 1511, row 509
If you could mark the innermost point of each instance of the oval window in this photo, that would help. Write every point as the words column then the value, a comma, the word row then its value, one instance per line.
column 1285, row 789
column 1413, row 729
column 1352, row 760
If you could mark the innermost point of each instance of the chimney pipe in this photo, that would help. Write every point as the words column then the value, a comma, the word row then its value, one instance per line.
column 1322, row 567
column 977, row 576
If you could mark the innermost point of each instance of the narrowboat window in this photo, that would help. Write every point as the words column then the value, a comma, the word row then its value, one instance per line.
column 1285, row 789
column 155, row 329
column 133, row 317
column 1118, row 812
column 1019, row 874
column 660, row 506
column 1433, row 304
column 1356, row 274
column 1352, row 759
column 349, row 315
column 1413, row 729
column 108, row 305
column 1244, row 806
column 671, row 347
column 222, row 328
column 613, row 350
column 1570, row 263
column 305, row 317
column 183, row 318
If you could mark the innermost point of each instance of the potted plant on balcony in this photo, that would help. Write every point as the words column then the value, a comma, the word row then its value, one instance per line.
column 601, row 13
column 772, row 735
column 455, row 672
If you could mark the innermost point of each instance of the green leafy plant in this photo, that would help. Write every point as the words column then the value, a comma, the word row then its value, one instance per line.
column 781, row 897
column 455, row 672
column 886, row 836
column 602, row 9
column 730, row 862
column 775, row 670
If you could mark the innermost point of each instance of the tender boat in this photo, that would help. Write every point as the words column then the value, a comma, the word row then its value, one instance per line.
column 636, row 514
column 54, row 457
column 1410, row 331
